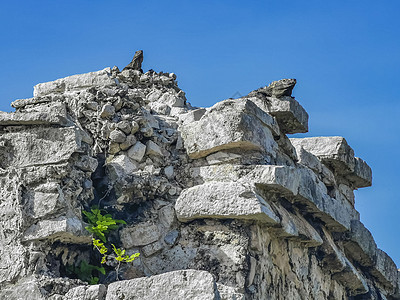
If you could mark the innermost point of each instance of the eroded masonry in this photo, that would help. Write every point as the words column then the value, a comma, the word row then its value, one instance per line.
column 220, row 203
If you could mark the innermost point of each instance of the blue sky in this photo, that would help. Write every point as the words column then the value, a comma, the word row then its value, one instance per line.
column 345, row 56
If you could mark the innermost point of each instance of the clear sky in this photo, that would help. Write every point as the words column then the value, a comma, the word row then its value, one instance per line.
column 345, row 56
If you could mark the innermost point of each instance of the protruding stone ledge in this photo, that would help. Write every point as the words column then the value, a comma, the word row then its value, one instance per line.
column 338, row 155
column 290, row 115
column 101, row 78
column 298, row 185
column 53, row 114
column 183, row 284
column 67, row 230
column 223, row 200
column 231, row 124
column 342, row 269
column 385, row 270
column 360, row 245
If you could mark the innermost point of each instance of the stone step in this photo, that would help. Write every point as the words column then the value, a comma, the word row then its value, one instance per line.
column 339, row 156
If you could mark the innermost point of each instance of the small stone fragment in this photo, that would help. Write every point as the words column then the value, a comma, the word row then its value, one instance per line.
column 130, row 140
column 117, row 136
column 171, row 237
column 137, row 151
column 153, row 149
column 107, row 111
column 135, row 127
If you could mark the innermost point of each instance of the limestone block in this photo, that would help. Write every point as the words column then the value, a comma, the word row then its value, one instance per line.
column 153, row 149
column 342, row 269
column 299, row 185
column 101, row 78
column 183, row 284
column 44, row 200
column 294, row 226
column 360, row 245
column 385, row 270
column 120, row 166
column 282, row 179
column 339, row 156
column 290, row 115
column 137, row 151
column 86, row 292
column 139, row 235
column 47, row 114
column 336, row 213
column 221, row 157
column 231, row 124
column 222, row 200
column 38, row 146
column 66, row 230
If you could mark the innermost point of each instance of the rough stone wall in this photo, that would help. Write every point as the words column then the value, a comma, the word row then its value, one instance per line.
column 220, row 203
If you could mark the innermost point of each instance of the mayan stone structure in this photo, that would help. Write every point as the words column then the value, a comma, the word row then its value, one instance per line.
column 218, row 201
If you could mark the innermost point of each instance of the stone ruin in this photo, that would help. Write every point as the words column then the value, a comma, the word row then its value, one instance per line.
column 220, row 203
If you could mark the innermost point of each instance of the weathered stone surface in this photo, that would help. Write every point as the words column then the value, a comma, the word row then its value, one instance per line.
column 92, row 292
column 185, row 285
column 48, row 114
column 223, row 200
column 385, row 270
column 38, row 146
column 290, row 115
column 139, row 235
column 75, row 82
column 66, row 230
column 360, row 244
column 137, row 151
column 231, row 124
column 338, row 155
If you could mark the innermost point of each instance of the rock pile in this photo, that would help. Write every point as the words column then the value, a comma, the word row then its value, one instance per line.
column 220, row 203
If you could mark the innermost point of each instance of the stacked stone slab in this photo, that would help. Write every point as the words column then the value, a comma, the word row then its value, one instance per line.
column 220, row 203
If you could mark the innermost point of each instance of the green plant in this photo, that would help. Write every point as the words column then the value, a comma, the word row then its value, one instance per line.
column 100, row 226
column 85, row 272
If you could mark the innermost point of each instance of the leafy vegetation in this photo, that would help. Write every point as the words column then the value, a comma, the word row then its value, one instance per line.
column 100, row 226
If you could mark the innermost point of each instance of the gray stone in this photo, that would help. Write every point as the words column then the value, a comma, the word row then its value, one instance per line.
column 130, row 140
column 152, row 249
column 107, row 111
column 169, row 172
column 171, row 237
column 47, row 114
column 231, row 124
column 290, row 115
column 223, row 200
column 100, row 78
column 139, row 235
column 153, row 149
column 135, row 127
column 137, row 151
column 360, row 245
column 66, row 230
column 339, row 156
column 91, row 292
column 385, row 270
column 38, row 146
column 184, row 284
column 117, row 136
